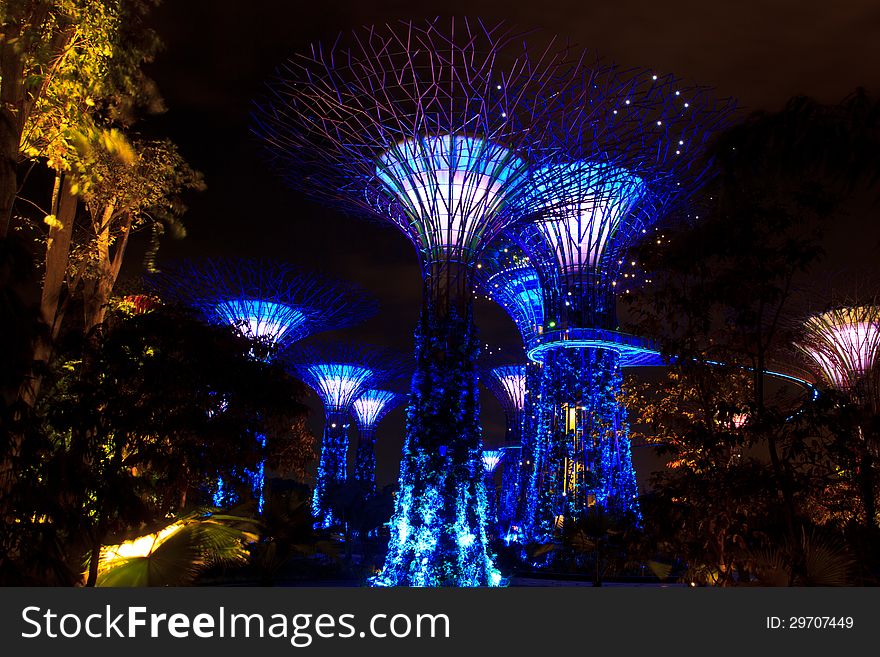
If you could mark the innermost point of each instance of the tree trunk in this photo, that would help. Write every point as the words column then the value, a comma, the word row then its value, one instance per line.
column 94, row 558
column 780, row 472
column 11, row 123
column 8, row 159
column 57, row 259
column 97, row 289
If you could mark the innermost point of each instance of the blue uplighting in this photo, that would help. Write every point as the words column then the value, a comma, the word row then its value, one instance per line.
column 371, row 407
column 508, row 277
column 491, row 459
column 259, row 319
column 450, row 187
column 584, row 205
column 510, row 491
column 632, row 350
column 338, row 385
column 591, row 463
column 518, row 291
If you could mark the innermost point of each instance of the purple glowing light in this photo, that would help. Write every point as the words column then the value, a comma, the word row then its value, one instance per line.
column 512, row 380
column 451, row 186
column 586, row 203
column 845, row 345
column 372, row 406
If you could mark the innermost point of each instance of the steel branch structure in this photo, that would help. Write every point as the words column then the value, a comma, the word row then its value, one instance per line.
column 843, row 345
column 339, row 374
column 435, row 128
column 508, row 384
column 507, row 276
column 272, row 303
column 368, row 410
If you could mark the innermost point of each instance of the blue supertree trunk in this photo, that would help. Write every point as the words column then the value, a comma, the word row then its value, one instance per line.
column 231, row 492
column 438, row 530
column 536, row 513
column 365, row 460
column 491, row 502
column 510, row 482
column 332, row 468
column 582, row 453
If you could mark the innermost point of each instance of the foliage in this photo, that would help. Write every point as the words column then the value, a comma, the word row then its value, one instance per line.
column 290, row 538
column 82, row 73
column 827, row 562
column 166, row 406
column 178, row 553
column 753, row 470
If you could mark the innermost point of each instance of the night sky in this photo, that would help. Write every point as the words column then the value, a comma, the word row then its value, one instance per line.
column 219, row 53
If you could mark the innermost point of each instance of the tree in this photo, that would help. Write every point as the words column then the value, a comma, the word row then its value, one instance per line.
column 168, row 407
column 64, row 64
column 724, row 288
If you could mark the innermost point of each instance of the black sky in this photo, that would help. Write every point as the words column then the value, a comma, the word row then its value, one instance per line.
column 219, row 53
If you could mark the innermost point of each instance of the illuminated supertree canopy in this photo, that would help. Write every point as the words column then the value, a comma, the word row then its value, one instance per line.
column 620, row 170
column 508, row 384
column 435, row 128
column 618, row 174
column 843, row 346
column 506, row 276
column 339, row 374
column 491, row 459
column 272, row 303
column 368, row 410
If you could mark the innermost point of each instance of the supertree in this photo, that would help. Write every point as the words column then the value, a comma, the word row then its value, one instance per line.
column 508, row 384
column 491, row 459
column 619, row 172
column 842, row 346
column 368, row 410
column 511, row 501
column 432, row 127
column 272, row 303
column 507, row 276
column 338, row 373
